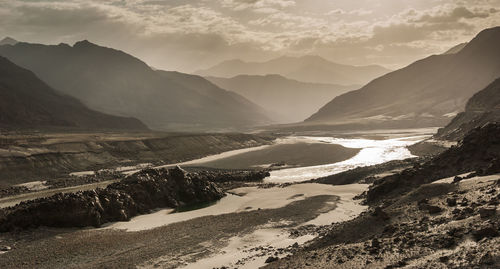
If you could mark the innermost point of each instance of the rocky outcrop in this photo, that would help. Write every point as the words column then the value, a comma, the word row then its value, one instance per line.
column 134, row 195
column 478, row 152
column 234, row 176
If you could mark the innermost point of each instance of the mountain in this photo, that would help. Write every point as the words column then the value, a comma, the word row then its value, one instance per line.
column 8, row 41
column 456, row 48
column 114, row 82
column 307, row 68
column 291, row 100
column 481, row 109
column 27, row 102
column 427, row 93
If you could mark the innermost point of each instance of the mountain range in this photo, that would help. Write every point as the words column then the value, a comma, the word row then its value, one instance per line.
column 288, row 100
column 27, row 102
column 111, row 81
column 429, row 92
column 313, row 69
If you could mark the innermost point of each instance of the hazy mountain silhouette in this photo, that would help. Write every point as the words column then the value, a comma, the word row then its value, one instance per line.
column 428, row 92
column 27, row 102
column 456, row 48
column 307, row 68
column 114, row 82
column 8, row 41
column 290, row 100
column 481, row 109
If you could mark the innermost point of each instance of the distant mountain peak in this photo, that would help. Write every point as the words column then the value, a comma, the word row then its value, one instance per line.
column 306, row 68
column 8, row 41
column 84, row 43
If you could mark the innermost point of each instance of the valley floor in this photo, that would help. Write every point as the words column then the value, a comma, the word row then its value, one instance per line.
column 254, row 224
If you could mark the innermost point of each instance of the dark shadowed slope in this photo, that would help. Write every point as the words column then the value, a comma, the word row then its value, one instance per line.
column 216, row 97
column 27, row 102
column 428, row 92
column 292, row 100
column 481, row 109
column 114, row 82
column 307, row 68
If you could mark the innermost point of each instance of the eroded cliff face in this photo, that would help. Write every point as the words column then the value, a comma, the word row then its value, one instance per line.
column 25, row 161
column 134, row 195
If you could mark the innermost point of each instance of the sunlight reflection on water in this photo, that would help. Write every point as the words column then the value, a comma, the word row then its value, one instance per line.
column 372, row 152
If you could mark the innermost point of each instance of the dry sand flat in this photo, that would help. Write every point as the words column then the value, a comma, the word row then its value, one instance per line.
column 168, row 246
column 248, row 199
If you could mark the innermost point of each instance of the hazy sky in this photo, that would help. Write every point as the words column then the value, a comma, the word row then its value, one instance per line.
column 186, row 35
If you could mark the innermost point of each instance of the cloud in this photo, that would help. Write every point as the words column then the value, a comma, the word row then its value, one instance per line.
column 191, row 34
column 257, row 4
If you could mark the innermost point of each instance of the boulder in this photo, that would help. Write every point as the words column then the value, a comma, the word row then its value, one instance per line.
column 486, row 212
column 481, row 233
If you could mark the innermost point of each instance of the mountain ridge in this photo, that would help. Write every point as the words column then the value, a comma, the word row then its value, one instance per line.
column 426, row 93
column 114, row 82
column 290, row 100
column 481, row 109
column 309, row 68
column 27, row 102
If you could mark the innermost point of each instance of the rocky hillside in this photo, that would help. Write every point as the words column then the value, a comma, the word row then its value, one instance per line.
column 27, row 102
column 426, row 216
column 482, row 108
column 429, row 92
column 478, row 153
column 114, row 82
column 137, row 194
column 312, row 69
column 290, row 100
column 438, row 225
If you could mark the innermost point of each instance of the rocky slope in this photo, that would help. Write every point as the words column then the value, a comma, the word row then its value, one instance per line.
column 114, row 82
column 136, row 194
column 435, row 226
column 427, row 93
column 290, row 100
column 27, row 102
column 312, row 69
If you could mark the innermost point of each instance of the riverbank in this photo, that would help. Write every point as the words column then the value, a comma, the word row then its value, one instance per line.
column 286, row 153
column 33, row 157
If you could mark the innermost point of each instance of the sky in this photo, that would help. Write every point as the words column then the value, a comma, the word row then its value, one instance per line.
column 188, row 35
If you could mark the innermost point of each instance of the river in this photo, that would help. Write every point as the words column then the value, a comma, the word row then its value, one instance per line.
column 245, row 250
